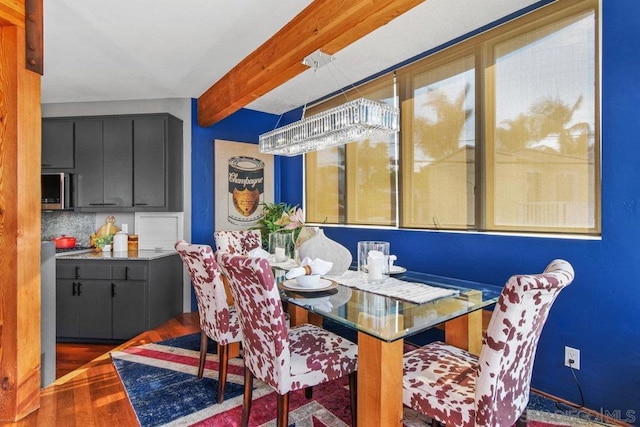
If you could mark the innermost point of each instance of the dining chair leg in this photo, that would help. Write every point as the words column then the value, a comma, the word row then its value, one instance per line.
column 223, row 363
column 248, row 394
column 522, row 420
column 308, row 392
column 353, row 395
column 283, row 410
column 203, row 353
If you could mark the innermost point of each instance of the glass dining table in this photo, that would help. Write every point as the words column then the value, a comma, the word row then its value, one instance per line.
column 383, row 322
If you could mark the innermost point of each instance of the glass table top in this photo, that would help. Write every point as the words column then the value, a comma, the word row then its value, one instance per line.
column 388, row 318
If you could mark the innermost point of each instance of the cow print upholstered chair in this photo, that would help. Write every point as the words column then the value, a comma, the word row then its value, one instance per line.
column 237, row 242
column 456, row 388
column 218, row 320
column 285, row 359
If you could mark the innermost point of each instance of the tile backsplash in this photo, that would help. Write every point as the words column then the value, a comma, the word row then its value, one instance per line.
column 78, row 225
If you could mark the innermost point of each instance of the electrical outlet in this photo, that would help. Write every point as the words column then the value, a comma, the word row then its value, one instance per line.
column 572, row 354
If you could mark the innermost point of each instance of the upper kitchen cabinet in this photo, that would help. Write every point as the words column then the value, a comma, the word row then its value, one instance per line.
column 128, row 163
column 157, row 163
column 57, row 144
column 104, row 166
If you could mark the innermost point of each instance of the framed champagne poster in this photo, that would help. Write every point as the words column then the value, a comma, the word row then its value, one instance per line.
column 243, row 181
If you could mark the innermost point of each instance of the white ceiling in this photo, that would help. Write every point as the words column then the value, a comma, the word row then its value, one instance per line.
column 98, row 50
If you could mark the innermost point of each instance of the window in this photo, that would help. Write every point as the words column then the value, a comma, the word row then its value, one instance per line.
column 542, row 84
column 438, row 143
column 498, row 133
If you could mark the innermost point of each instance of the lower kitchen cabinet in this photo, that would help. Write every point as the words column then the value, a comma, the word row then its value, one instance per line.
column 127, row 298
column 110, row 299
column 82, row 307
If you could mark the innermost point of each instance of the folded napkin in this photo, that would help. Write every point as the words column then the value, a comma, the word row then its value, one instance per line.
column 258, row 253
column 317, row 266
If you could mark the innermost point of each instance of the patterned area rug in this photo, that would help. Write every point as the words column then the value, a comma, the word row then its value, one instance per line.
column 161, row 383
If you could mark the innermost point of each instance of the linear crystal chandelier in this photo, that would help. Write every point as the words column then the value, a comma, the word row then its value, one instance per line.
column 351, row 121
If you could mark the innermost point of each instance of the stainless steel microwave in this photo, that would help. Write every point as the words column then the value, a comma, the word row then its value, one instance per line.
column 57, row 191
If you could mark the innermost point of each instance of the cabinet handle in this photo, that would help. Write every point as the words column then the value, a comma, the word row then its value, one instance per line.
column 79, row 288
column 113, row 290
column 126, row 273
column 73, row 289
column 102, row 204
column 45, row 165
column 140, row 204
column 77, row 272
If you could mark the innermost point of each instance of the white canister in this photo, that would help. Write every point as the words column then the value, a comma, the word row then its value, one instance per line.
column 375, row 266
column 120, row 242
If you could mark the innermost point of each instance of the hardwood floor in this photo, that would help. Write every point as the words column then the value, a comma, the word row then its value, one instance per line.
column 70, row 357
column 93, row 394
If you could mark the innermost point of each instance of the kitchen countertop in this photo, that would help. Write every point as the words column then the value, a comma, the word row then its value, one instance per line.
column 144, row 254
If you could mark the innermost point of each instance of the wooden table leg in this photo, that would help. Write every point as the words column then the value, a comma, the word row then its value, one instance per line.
column 299, row 315
column 316, row 319
column 379, row 381
column 466, row 331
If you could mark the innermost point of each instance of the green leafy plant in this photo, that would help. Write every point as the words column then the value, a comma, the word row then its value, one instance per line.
column 279, row 216
column 101, row 241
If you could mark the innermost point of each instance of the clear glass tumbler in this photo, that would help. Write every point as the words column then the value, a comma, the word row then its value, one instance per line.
column 373, row 260
column 281, row 245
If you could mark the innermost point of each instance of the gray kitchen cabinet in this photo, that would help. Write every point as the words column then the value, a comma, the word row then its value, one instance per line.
column 117, row 146
column 57, row 144
column 104, row 168
column 89, row 163
column 157, row 163
column 115, row 299
column 82, row 301
column 128, row 163
column 81, row 307
column 129, row 308
column 129, row 292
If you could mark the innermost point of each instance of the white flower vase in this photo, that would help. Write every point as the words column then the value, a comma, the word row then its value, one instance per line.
column 320, row 246
column 305, row 234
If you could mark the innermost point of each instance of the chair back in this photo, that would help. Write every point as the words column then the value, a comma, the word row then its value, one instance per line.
column 509, row 347
column 210, row 294
column 265, row 335
column 238, row 241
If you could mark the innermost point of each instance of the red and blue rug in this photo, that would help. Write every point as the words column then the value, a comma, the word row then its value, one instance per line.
column 161, row 383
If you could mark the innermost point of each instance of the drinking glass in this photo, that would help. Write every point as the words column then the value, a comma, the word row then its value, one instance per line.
column 373, row 260
column 281, row 245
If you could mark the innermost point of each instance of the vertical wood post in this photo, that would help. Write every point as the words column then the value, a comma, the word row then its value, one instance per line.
column 20, row 152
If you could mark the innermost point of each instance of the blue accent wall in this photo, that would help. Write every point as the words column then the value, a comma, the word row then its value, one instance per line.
column 243, row 126
column 600, row 312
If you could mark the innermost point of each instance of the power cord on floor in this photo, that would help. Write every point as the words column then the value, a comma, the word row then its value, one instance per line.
column 575, row 378
column 581, row 405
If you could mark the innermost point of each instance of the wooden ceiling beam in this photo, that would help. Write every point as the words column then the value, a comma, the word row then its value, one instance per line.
column 12, row 12
column 327, row 25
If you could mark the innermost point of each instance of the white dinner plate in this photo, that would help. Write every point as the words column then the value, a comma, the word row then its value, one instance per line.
column 395, row 269
column 323, row 285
